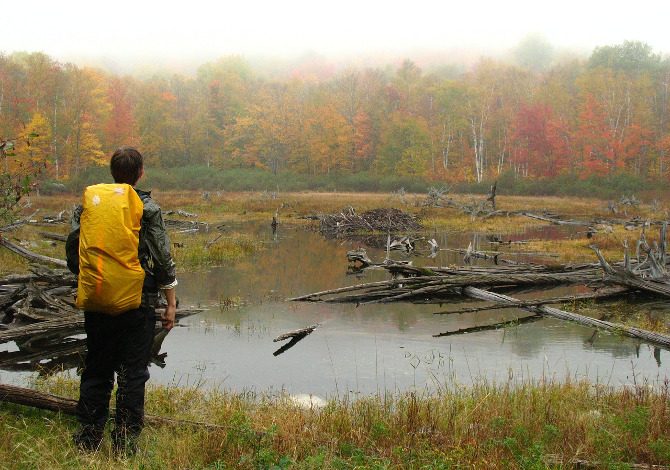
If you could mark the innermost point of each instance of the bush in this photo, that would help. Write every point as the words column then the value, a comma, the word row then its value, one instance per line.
column 51, row 187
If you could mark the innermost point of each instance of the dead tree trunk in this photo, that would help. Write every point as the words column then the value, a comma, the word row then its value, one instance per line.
column 47, row 401
column 29, row 254
column 650, row 337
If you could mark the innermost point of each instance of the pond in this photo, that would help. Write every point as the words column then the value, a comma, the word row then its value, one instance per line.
column 369, row 349
column 374, row 348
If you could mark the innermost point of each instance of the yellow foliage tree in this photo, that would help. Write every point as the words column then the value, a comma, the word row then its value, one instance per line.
column 35, row 142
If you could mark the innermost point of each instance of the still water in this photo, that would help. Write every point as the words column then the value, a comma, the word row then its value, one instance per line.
column 375, row 348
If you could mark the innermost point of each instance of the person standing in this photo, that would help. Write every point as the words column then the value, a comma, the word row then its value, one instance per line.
column 120, row 342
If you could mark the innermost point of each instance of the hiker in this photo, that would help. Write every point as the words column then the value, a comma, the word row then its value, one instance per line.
column 118, row 294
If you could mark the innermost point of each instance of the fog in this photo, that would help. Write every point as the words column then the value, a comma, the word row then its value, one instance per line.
column 150, row 34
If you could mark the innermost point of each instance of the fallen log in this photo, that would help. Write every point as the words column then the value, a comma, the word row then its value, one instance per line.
column 68, row 324
column 38, row 273
column 49, row 402
column 186, row 225
column 447, row 284
column 37, row 358
column 300, row 333
column 649, row 274
column 29, row 254
column 554, row 220
column 598, row 295
column 296, row 336
column 42, row 327
column 556, row 461
column 413, row 283
column 53, row 236
column 656, row 339
column 494, row 326
column 433, row 286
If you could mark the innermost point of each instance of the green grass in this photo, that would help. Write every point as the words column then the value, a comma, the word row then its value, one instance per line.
column 515, row 425
column 197, row 251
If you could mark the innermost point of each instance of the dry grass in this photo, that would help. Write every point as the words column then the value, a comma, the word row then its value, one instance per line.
column 514, row 425
column 261, row 206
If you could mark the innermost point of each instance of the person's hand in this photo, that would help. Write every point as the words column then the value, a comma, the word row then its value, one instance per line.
column 168, row 316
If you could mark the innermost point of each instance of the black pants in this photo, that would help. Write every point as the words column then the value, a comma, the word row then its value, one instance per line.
column 122, row 345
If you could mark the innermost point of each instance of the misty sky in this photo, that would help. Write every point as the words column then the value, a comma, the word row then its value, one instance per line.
column 125, row 29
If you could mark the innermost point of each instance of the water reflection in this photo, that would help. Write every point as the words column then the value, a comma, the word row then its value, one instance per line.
column 373, row 348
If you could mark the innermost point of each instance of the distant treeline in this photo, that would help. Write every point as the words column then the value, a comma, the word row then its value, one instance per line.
column 550, row 127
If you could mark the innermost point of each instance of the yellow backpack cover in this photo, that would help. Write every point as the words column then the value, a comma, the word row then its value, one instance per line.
column 110, row 275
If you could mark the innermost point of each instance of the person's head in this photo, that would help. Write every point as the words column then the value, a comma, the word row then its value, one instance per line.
column 127, row 165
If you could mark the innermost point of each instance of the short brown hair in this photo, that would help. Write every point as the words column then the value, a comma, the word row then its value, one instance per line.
column 126, row 165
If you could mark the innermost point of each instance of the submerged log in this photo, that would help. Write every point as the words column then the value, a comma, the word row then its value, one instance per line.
column 650, row 337
column 435, row 286
column 597, row 295
column 296, row 336
column 494, row 326
column 429, row 285
column 300, row 333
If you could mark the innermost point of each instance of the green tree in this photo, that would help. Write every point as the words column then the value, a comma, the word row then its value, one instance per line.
column 629, row 56
column 405, row 148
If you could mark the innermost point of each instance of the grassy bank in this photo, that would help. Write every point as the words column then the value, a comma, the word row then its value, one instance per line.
column 519, row 425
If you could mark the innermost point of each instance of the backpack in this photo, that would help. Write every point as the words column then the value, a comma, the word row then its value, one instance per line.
column 110, row 274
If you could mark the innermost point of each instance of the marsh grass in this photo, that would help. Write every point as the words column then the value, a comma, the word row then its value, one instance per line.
column 194, row 251
column 486, row 425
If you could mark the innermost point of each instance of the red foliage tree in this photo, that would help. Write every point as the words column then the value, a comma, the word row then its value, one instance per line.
column 540, row 141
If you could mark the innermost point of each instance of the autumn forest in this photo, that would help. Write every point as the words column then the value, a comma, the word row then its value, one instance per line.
column 605, row 114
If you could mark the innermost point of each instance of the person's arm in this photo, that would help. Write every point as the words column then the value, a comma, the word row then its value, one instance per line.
column 158, row 244
column 72, row 242
column 168, row 316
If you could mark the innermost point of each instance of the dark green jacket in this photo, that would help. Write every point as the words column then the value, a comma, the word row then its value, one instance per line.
column 154, row 247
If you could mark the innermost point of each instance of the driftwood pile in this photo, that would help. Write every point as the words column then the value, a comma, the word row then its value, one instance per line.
column 37, row 312
column 484, row 208
column 46, row 221
column 646, row 272
column 186, row 226
column 348, row 222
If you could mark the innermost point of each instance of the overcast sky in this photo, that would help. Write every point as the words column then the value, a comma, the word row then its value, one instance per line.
column 125, row 29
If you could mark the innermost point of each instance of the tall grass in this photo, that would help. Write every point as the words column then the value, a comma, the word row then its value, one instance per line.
column 194, row 252
column 513, row 425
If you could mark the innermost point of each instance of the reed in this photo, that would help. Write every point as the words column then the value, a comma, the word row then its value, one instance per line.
column 518, row 424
